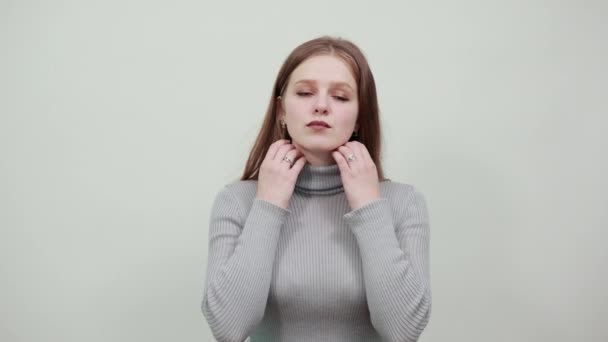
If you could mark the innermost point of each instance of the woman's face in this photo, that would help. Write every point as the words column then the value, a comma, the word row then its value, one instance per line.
column 321, row 88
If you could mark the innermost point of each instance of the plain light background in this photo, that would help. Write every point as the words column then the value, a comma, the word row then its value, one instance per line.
column 121, row 120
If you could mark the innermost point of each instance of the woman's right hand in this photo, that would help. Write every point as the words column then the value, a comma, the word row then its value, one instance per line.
column 277, row 177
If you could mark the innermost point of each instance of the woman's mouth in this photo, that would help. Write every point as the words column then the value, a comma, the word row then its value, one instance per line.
column 319, row 123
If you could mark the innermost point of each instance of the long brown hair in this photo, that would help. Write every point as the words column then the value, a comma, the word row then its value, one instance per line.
column 368, row 117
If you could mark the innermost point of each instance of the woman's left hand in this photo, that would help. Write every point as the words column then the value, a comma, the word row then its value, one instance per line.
column 359, row 175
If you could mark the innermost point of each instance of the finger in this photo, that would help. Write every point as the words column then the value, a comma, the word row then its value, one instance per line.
column 298, row 165
column 274, row 148
column 341, row 161
column 363, row 152
column 283, row 149
column 292, row 155
column 346, row 151
column 356, row 148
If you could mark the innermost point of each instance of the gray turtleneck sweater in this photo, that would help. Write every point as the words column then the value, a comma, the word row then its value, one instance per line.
column 318, row 271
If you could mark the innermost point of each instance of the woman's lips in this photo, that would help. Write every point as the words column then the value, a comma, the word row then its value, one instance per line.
column 319, row 122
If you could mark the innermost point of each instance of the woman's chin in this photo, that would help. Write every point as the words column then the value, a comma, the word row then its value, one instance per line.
column 319, row 146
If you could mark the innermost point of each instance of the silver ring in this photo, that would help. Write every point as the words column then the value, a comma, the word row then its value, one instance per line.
column 350, row 157
column 287, row 159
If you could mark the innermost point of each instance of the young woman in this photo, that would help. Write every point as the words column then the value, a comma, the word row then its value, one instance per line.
column 313, row 243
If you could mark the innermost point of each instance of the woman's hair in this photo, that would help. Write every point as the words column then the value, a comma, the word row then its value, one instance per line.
column 368, row 117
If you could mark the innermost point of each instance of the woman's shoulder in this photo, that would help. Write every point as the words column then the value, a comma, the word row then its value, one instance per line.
column 397, row 187
column 400, row 194
column 240, row 193
column 406, row 201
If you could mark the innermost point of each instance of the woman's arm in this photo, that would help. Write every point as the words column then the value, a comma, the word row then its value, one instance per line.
column 240, row 261
column 395, row 259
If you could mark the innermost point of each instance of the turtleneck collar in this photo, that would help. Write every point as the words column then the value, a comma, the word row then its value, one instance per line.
column 319, row 180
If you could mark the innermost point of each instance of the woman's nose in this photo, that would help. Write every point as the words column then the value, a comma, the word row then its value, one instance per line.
column 321, row 106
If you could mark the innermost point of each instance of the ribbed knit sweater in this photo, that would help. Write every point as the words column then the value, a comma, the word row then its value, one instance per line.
column 318, row 271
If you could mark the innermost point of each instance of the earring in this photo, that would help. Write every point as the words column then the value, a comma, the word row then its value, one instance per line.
column 283, row 124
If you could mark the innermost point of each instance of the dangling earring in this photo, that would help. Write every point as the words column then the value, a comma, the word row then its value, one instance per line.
column 284, row 131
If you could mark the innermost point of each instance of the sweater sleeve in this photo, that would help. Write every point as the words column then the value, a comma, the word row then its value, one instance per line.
column 395, row 259
column 239, row 268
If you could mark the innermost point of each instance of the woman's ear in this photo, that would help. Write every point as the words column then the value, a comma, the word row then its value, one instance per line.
column 280, row 111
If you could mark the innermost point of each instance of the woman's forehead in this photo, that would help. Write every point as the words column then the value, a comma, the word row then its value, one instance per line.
column 324, row 69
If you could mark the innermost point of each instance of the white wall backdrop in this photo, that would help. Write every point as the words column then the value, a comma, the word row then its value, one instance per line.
column 120, row 121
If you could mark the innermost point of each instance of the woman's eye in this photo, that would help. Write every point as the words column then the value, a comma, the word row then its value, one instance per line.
column 304, row 93
column 341, row 98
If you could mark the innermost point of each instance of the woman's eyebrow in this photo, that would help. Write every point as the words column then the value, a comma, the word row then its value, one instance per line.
column 341, row 84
